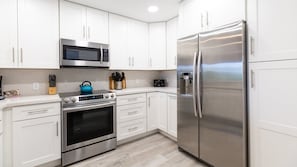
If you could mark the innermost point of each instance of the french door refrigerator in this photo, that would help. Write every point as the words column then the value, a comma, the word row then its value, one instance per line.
column 211, row 87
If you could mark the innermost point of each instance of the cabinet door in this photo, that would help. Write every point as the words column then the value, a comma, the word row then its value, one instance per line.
column 119, row 58
column 153, row 105
column 97, row 26
column 272, row 31
column 36, row 141
column 39, row 33
column 172, row 115
column 72, row 21
column 157, row 45
column 138, row 44
column 8, row 33
column 171, row 44
column 189, row 19
column 273, row 125
column 223, row 12
column 163, row 115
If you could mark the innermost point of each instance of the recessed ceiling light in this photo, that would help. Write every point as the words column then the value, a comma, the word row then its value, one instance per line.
column 153, row 9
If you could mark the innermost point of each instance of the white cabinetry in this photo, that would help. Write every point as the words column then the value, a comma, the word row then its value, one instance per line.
column 36, row 134
column 163, row 113
column 8, row 33
column 1, row 139
column 157, row 46
column 273, row 126
column 128, row 43
column 201, row 15
column 153, row 105
column 30, row 35
column 171, row 44
column 172, row 114
column 78, row 22
column 131, row 115
column 272, row 39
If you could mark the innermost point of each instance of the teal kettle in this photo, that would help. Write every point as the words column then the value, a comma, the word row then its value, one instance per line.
column 86, row 88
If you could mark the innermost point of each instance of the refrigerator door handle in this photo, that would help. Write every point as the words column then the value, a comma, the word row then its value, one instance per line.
column 198, row 84
column 194, row 84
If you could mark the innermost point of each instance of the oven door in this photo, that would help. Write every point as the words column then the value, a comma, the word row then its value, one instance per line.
column 85, row 125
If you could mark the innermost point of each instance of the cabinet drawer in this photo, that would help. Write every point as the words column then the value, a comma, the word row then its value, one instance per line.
column 130, row 99
column 130, row 112
column 35, row 111
column 131, row 128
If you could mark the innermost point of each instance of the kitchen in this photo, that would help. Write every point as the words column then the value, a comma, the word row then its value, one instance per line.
column 53, row 46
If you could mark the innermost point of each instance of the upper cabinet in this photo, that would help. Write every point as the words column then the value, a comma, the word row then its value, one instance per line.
column 201, row 15
column 171, row 44
column 157, row 46
column 30, row 37
column 128, row 43
column 8, row 33
column 78, row 22
column 272, row 30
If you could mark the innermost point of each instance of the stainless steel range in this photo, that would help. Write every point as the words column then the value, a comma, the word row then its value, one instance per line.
column 88, row 125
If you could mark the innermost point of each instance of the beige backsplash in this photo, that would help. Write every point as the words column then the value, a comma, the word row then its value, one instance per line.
column 69, row 79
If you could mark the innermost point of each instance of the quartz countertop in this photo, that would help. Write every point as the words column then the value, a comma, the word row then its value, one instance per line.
column 127, row 91
column 28, row 100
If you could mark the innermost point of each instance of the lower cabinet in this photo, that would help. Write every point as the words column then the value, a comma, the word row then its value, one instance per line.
column 36, row 136
column 172, row 114
column 131, row 116
column 162, row 112
column 272, row 114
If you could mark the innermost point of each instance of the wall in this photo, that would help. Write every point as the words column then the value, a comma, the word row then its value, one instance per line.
column 69, row 79
column 170, row 76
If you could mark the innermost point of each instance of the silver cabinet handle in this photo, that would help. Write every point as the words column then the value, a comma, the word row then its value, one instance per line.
column 37, row 112
column 207, row 21
column 129, row 61
column 89, row 32
column 57, row 125
column 252, row 78
column 198, row 84
column 194, row 84
column 132, row 129
column 132, row 112
column 149, row 102
column 102, row 56
column 252, row 43
column 133, row 61
column 13, row 58
column 151, row 62
column 84, row 32
column 21, row 55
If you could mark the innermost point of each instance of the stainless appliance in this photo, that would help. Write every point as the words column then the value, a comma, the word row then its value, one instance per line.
column 212, row 112
column 159, row 83
column 88, row 125
column 83, row 54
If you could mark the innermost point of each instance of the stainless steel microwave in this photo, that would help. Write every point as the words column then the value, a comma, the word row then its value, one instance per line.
column 83, row 54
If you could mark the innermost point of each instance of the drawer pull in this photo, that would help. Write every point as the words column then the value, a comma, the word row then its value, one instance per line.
column 132, row 129
column 37, row 112
column 132, row 112
column 132, row 99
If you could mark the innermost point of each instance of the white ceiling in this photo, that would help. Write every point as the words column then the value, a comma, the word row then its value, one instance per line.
column 136, row 8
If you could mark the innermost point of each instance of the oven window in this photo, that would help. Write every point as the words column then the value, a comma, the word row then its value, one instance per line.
column 89, row 124
column 81, row 53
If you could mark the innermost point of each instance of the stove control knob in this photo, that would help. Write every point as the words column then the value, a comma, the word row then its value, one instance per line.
column 112, row 95
column 73, row 99
column 106, row 96
column 66, row 100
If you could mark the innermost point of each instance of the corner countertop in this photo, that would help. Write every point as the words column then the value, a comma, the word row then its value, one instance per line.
column 28, row 100
column 127, row 91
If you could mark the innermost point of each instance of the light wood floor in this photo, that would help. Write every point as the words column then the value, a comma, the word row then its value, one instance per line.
column 153, row 151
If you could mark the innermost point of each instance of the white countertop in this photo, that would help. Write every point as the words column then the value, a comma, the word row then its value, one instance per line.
column 28, row 100
column 127, row 91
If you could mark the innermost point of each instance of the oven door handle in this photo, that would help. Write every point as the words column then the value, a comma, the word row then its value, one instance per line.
column 89, row 107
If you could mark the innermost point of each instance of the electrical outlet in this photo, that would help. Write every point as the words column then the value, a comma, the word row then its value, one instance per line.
column 35, row 86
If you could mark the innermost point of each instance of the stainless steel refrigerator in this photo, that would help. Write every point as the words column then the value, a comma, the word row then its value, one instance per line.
column 211, row 87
